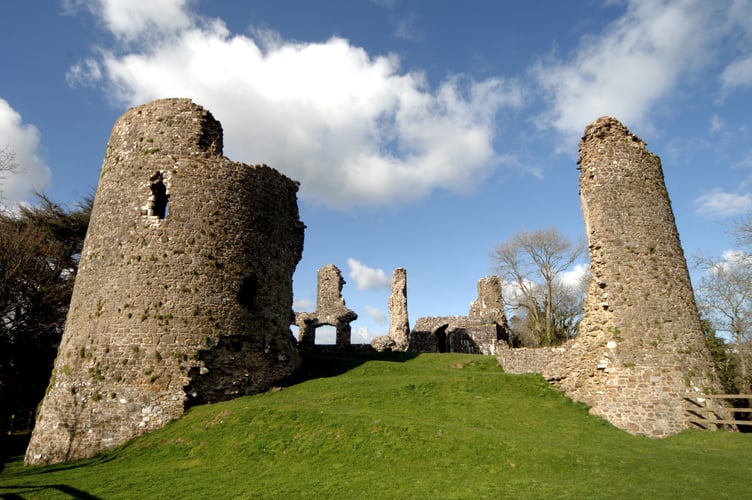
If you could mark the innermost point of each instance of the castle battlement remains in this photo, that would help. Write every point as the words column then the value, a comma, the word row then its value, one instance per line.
column 184, row 288
column 641, row 348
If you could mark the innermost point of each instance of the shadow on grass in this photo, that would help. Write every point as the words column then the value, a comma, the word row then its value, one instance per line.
column 322, row 363
column 43, row 490
column 12, row 446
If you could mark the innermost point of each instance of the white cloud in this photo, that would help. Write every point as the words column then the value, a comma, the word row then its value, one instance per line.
column 303, row 305
column 734, row 257
column 367, row 278
column 84, row 74
column 364, row 335
column 376, row 314
column 636, row 61
column 130, row 19
column 731, row 261
column 21, row 140
column 574, row 277
column 351, row 127
column 723, row 204
column 738, row 73
column 405, row 28
column 326, row 335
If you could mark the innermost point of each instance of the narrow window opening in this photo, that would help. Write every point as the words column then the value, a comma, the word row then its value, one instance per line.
column 159, row 197
column 247, row 292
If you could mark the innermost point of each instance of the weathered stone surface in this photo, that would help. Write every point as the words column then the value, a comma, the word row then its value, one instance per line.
column 384, row 343
column 184, row 289
column 399, row 325
column 641, row 346
column 330, row 310
column 489, row 303
column 480, row 332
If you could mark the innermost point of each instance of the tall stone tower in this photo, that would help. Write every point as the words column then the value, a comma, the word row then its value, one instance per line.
column 641, row 346
column 184, row 289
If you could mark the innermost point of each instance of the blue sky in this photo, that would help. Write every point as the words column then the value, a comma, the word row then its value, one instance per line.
column 423, row 132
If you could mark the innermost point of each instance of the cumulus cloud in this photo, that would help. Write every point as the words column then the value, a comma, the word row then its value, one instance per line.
column 84, row 73
column 720, row 203
column 129, row 19
column 326, row 335
column 353, row 128
column 303, row 304
column 738, row 73
column 376, row 314
column 367, row 278
column 573, row 278
column 363, row 334
column 20, row 143
column 636, row 61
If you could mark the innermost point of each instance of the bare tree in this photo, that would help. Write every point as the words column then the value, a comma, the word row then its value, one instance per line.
column 7, row 164
column 7, row 159
column 533, row 263
column 725, row 299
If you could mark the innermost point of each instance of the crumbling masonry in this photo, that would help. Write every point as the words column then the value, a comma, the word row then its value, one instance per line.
column 482, row 331
column 399, row 324
column 184, row 289
column 330, row 310
column 641, row 346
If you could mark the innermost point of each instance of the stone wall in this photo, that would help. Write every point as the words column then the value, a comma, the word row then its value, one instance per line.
column 455, row 334
column 480, row 332
column 527, row 359
column 640, row 348
column 330, row 310
column 184, row 289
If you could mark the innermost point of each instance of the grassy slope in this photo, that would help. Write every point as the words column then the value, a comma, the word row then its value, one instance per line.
column 436, row 426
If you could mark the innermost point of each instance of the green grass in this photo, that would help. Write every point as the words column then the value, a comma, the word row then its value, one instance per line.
column 431, row 426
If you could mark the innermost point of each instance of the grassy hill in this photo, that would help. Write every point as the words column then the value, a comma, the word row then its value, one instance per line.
column 430, row 426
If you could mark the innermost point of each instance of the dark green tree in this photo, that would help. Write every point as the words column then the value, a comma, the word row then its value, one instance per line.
column 40, row 247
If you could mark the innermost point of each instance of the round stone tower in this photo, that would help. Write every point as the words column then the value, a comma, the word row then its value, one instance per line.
column 641, row 347
column 184, row 288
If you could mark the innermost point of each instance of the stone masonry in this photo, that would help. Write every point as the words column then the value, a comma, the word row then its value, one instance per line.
column 398, row 338
column 184, row 289
column 330, row 310
column 480, row 332
column 399, row 325
column 641, row 348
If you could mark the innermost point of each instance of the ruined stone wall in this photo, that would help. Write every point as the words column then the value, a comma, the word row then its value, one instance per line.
column 489, row 303
column 480, row 332
column 184, row 289
column 399, row 324
column 640, row 346
column 455, row 334
column 527, row 359
column 330, row 310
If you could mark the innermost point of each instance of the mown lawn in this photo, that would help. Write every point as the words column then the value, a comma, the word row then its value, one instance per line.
column 431, row 426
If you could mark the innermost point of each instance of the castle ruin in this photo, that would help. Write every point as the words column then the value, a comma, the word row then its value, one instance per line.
column 184, row 288
column 330, row 310
column 641, row 348
column 480, row 332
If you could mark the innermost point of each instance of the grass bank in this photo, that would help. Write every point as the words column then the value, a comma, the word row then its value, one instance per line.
column 431, row 426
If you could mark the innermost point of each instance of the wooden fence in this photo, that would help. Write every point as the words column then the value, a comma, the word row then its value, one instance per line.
column 708, row 418
column 21, row 422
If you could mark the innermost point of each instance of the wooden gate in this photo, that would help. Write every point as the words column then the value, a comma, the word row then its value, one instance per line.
column 708, row 418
